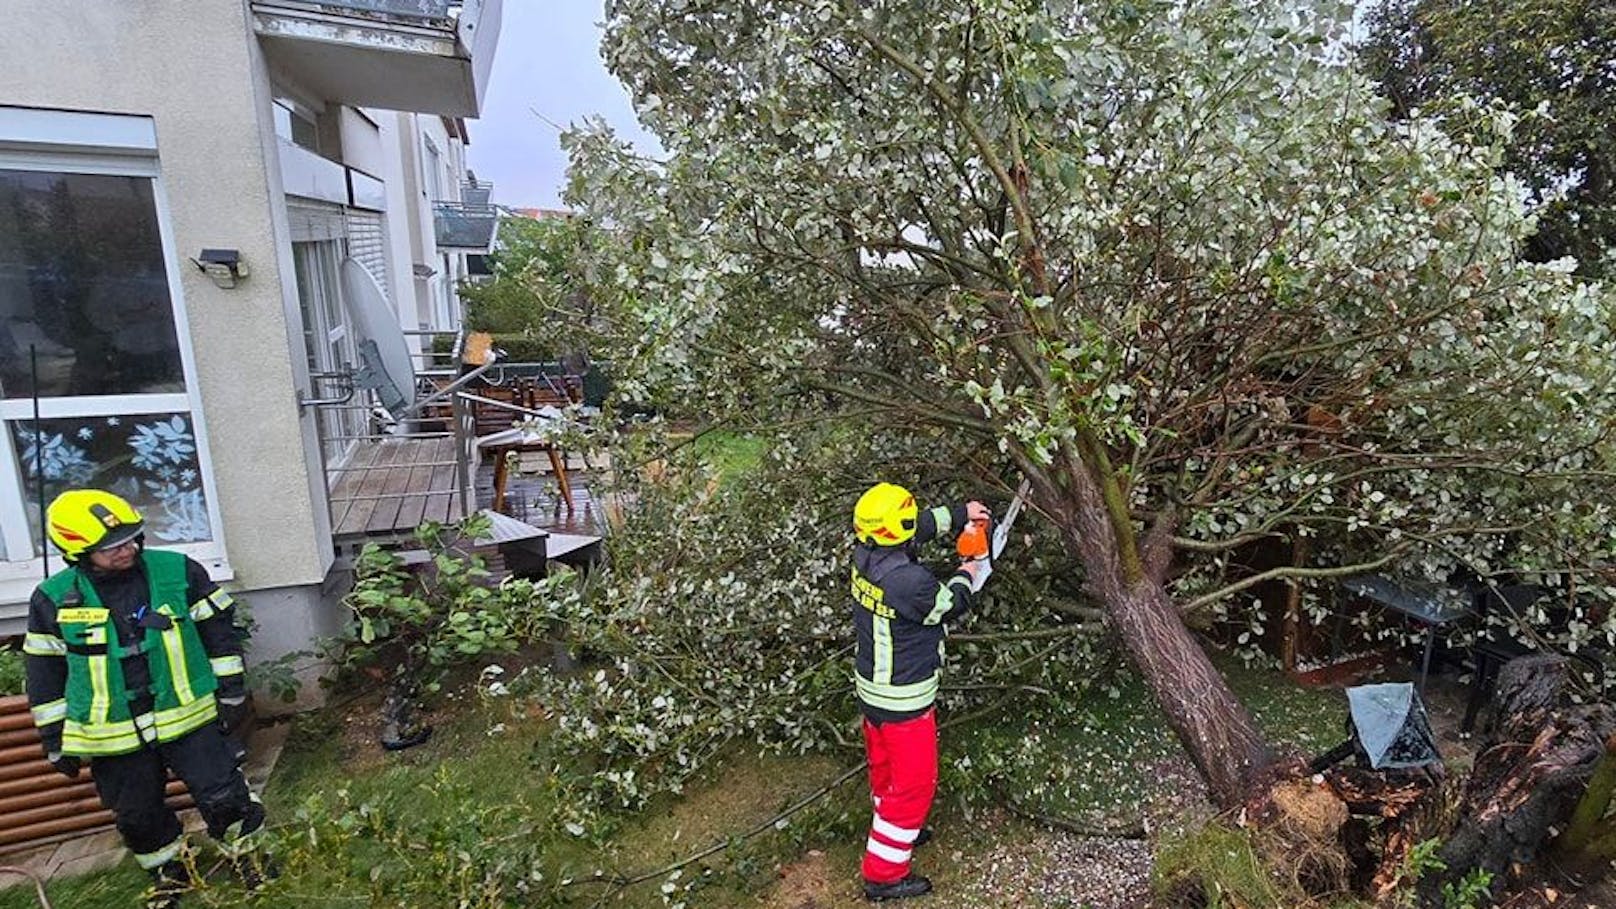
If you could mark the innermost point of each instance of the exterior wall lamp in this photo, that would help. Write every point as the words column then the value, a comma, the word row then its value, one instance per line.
column 224, row 266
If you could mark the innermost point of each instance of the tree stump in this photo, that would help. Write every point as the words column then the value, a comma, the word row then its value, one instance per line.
column 1527, row 779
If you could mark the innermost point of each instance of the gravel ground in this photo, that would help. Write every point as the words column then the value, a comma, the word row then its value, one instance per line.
column 1003, row 862
column 1058, row 870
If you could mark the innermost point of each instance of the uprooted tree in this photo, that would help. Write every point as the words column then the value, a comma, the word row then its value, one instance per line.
column 1166, row 259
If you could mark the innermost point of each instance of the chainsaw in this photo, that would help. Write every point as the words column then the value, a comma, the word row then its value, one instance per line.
column 975, row 542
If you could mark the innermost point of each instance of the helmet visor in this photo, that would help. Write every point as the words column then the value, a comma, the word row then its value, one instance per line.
column 118, row 536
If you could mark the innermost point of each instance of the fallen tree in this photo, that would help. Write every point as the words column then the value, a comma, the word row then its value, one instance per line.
column 1532, row 773
column 1167, row 260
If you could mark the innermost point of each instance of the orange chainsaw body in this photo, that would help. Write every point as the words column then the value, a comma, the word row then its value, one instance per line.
column 973, row 541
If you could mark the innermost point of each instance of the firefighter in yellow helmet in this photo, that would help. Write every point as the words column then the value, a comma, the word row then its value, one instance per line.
column 134, row 666
column 899, row 609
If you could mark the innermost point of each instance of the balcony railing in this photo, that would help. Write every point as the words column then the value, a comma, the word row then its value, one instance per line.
column 428, row 56
column 460, row 225
column 410, row 9
column 476, row 192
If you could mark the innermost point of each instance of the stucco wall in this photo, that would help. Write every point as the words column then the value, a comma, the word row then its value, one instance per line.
column 195, row 69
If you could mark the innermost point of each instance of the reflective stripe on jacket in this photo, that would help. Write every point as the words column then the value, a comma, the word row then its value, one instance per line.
column 98, row 719
column 898, row 613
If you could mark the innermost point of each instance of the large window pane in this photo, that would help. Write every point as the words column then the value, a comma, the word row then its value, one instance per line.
column 82, row 279
column 149, row 459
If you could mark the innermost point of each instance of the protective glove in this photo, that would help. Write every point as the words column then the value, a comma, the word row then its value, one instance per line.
column 66, row 764
column 976, row 511
column 232, row 713
column 979, row 570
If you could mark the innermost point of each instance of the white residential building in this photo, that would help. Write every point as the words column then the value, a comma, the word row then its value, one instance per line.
column 279, row 134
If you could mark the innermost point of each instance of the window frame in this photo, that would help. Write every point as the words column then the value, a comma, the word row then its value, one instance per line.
column 72, row 158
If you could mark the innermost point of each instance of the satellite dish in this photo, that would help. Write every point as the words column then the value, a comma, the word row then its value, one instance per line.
column 384, row 355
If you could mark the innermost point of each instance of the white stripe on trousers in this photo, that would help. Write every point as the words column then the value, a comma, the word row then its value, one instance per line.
column 889, row 853
column 893, row 832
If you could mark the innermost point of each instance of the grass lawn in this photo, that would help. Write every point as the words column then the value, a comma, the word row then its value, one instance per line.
column 457, row 820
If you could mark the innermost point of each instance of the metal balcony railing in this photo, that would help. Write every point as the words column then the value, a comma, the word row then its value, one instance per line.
column 408, row 9
column 460, row 225
column 476, row 192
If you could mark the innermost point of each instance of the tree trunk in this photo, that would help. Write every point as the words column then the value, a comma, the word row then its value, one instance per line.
column 1529, row 777
column 1213, row 726
column 1211, row 723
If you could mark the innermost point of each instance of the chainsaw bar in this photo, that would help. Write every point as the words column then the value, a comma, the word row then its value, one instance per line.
column 1001, row 534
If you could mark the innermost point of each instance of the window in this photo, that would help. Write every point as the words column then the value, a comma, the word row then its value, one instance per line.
column 327, row 342
column 297, row 124
column 89, row 305
column 433, row 167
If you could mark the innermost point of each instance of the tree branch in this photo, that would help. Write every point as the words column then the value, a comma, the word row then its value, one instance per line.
column 1290, row 571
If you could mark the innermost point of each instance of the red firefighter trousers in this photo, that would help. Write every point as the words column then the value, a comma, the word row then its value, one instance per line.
column 903, row 779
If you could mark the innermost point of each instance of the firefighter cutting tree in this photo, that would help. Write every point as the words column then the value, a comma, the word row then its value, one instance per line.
column 899, row 612
column 135, row 667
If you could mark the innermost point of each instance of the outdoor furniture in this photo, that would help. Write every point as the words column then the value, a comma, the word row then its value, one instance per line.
column 497, row 411
column 1389, row 730
column 1439, row 610
column 1496, row 643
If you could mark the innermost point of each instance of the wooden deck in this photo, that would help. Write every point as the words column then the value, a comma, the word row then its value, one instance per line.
column 533, row 496
column 390, row 486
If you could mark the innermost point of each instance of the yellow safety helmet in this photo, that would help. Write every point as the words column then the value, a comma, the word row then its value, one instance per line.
column 885, row 515
column 84, row 520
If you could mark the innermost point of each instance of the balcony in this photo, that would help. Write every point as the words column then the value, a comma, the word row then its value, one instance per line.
column 476, row 192
column 427, row 56
column 464, row 227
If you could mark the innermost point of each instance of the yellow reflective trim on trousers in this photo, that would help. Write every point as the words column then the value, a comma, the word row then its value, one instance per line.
column 50, row 712
column 913, row 696
column 943, row 518
column 100, row 696
column 149, row 860
column 174, row 646
column 36, row 644
column 227, row 665
column 881, row 657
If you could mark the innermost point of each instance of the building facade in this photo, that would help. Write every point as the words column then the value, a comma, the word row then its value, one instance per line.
column 178, row 184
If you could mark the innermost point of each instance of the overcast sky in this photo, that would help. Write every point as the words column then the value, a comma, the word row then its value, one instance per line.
column 549, row 62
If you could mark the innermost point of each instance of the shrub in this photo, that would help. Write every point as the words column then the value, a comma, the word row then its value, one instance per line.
column 11, row 672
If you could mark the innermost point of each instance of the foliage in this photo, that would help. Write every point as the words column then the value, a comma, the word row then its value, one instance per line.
column 278, row 677
column 1169, row 260
column 1468, row 892
column 721, row 616
column 1549, row 59
column 534, row 286
column 1096, row 748
column 415, row 624
column 11, row 672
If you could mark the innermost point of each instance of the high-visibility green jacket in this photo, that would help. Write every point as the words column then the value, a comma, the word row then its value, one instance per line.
column 95, row 706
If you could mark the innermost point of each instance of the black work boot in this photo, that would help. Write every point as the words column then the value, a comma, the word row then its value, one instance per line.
column 922, row 838
column 913, row 885
column 170, row 881
column 255, row 869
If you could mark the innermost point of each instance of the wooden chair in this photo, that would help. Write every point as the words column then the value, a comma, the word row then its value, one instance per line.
column 490, row 419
